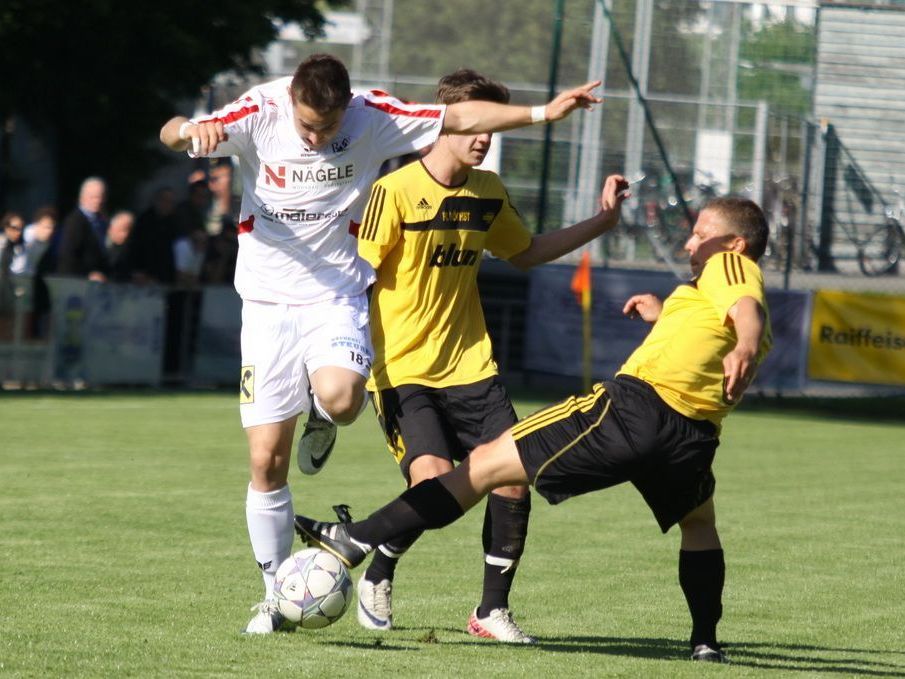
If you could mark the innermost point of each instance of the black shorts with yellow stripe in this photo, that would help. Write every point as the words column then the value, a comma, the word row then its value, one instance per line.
column 447, row 422
column 621, row 431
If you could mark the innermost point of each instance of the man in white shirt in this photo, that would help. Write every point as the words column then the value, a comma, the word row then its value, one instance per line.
column 309, row 149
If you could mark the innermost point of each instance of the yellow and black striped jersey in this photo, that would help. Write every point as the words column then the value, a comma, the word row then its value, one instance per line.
column 426, row 241
column 682, row 356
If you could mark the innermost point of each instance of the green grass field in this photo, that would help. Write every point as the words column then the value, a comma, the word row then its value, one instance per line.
column 123, row 552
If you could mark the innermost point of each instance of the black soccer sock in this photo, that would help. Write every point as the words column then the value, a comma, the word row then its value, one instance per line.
column 426, row 505
column 505, row 530
column 701, row 576
column 383, row 565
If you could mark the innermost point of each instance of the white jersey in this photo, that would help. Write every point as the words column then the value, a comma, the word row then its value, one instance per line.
column 301, row 207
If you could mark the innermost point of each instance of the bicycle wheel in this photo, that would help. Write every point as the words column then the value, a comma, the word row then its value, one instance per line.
column 880, row 252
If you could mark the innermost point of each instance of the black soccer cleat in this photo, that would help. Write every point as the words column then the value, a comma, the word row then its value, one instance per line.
column 333, row 538
column 705, row 653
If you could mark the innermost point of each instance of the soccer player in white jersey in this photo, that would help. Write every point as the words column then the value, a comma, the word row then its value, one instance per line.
column 309, row 149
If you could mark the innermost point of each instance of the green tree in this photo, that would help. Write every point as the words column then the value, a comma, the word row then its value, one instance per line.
column 778, row 65
column 98, row 77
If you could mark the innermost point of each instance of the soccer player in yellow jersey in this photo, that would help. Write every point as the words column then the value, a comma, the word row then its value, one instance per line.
column 656, row 424
column 433, row 377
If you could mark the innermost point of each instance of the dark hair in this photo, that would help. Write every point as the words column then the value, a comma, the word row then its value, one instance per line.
column 746, row 220
column 45, row 211
column 468, row 85
column 322, row 82
column 8, row 218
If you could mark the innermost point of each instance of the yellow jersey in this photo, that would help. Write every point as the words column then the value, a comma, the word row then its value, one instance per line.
column 682, row 356
column 426, row 241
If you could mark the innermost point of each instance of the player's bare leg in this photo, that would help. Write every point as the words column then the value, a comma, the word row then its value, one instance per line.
column 268, row 512
column 702, row 571
column 338, row 396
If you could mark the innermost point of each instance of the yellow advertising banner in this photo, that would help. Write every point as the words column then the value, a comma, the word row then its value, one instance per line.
column 857, row 337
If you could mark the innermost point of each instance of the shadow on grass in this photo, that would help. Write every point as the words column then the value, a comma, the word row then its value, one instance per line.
column 761, row 655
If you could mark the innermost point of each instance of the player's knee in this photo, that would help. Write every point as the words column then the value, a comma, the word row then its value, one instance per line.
column 427, row 467
column 699, row 528
column 512, row 492
column 341, row 402
column 269, row 471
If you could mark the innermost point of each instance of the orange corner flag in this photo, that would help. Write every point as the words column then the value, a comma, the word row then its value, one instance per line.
column 581, row 281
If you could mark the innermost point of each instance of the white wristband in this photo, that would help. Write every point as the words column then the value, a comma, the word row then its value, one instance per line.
column 538, row 114
column 182, row 130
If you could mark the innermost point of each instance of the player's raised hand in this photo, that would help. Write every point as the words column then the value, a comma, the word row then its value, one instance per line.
column 646, row 306
column 568, row 101
column 615, row 191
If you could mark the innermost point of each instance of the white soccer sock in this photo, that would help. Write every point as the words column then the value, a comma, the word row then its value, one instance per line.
column 270, row 528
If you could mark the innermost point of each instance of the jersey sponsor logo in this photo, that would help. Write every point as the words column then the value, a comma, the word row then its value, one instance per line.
column 423, row 204
column 247, row 385
column 459, row 214
column 282, row 176
column 340, row 146
column 275, row 175
column 277, row 214
column 452, row 256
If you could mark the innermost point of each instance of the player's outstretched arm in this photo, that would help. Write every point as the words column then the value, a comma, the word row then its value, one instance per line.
column 476, row 117
column 179, row 133
column 740, row 364
column 554, row 244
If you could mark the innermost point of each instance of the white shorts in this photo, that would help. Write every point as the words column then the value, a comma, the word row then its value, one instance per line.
column 282, row 344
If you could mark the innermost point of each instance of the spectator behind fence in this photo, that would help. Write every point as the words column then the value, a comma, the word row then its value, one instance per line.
column 156, row 229
column 189, row 254
column 119, row 246
column 191, row 214
column 82, row 246
column 12, row 256
column 41, row 235
column 219, row 183
column 223, row 241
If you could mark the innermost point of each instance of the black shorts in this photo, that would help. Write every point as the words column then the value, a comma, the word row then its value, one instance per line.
column 448, row 422
column 621, row 431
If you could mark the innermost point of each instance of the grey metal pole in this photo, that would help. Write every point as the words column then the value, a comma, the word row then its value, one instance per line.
column 548, row 129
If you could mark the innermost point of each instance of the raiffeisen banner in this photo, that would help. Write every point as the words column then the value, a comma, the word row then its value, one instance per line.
column 857, row 337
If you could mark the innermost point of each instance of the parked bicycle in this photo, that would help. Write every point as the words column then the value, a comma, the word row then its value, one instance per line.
column 880, row 251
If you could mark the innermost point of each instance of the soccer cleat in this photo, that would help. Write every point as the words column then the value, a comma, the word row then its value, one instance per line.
column 705, row 653
column 498, row 625
column 375, row 604
column 316, row 443
column 267, row 620
column 332, row 537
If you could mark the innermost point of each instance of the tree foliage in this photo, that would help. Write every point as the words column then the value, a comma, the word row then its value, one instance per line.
column 99, row 77
column 778, row 61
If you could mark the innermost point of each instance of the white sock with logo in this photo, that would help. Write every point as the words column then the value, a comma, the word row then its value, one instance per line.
column 270, row 527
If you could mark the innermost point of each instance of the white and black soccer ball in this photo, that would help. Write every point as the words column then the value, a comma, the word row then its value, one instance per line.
column 312, row 588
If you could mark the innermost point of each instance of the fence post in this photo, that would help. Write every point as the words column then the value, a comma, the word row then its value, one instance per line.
column 758, row 160
column 827, row 203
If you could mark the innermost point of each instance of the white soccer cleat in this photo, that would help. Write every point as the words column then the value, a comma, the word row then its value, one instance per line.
column 267, row 620
column 498, row 625
column 315, row 444
column 375, row 604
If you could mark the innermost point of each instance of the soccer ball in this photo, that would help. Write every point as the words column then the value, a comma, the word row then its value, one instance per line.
column 312, row 588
